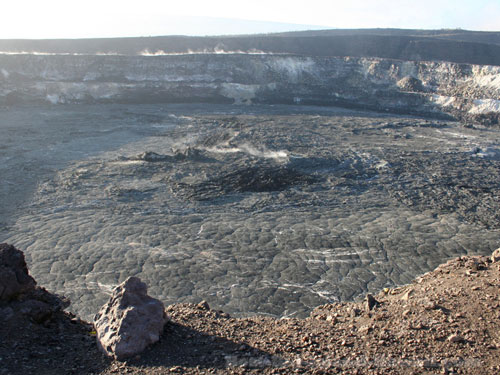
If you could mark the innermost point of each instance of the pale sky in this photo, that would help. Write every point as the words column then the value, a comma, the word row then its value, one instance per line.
column 114, row 18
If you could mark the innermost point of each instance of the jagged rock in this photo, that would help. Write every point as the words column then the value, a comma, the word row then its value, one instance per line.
column 19, row 289
column 130, row 321
column 203, row 305
column 370, row 302
column 14, row 277
column 495, row 257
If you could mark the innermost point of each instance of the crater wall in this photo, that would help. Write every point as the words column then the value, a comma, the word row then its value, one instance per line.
column 438, row 89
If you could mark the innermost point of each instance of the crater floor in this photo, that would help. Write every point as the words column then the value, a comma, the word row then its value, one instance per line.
column 261, row 209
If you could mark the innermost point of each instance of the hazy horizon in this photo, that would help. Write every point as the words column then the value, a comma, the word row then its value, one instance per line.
column 199, row 26
column 57, row 19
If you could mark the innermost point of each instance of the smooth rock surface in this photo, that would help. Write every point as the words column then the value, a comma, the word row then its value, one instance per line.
column 14, row 277
column 130, row 321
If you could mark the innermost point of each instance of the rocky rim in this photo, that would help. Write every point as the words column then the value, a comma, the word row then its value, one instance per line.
column 446, row 321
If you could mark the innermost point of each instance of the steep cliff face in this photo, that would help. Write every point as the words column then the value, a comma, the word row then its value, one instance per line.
column 466, row 92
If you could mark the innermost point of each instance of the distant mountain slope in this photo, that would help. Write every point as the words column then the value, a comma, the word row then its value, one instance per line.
column 488, row 37
column 458, row 46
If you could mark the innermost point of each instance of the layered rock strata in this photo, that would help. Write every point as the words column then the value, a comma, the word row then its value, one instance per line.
column 439, row 89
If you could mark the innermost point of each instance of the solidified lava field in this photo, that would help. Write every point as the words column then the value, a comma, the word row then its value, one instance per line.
column 259, row 209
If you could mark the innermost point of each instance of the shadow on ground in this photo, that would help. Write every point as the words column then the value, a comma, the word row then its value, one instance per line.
column 183, row 346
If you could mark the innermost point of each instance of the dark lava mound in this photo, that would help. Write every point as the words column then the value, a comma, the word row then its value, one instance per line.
column 256, row 178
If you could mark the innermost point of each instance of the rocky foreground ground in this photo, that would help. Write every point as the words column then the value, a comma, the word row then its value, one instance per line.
column 446, row 321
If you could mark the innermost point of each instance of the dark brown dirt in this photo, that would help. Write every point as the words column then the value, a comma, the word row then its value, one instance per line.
column 446, row 322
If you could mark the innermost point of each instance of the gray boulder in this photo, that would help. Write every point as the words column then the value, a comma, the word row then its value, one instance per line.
column 130, row 321
column 14, row 277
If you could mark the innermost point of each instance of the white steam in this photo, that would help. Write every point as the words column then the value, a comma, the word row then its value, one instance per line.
column 251, row 150
column 214, row 51
column 37, row 53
